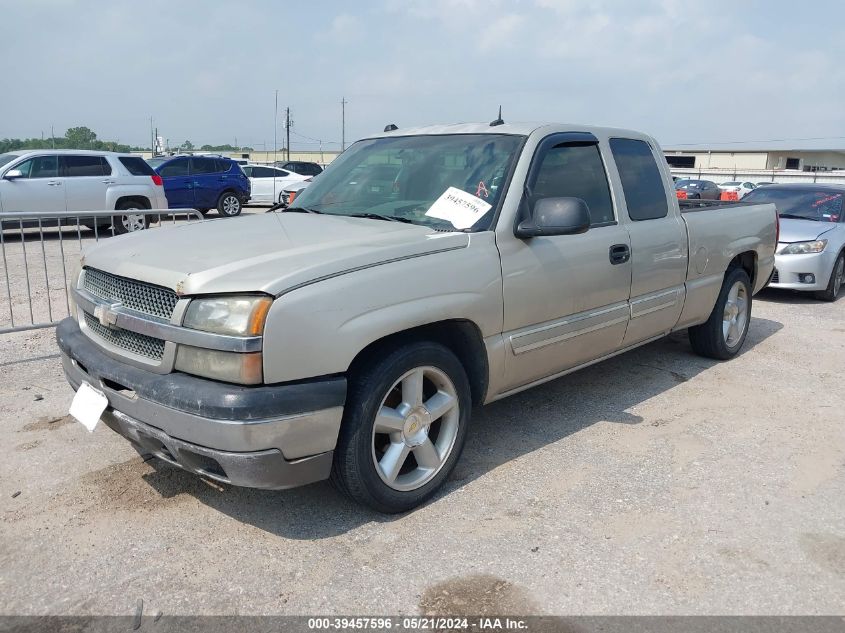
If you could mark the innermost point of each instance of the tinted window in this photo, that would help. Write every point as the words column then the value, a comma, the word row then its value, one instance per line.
column 80, row 166
column 641, row 179
column 203, row 166
column 281, row 173
column 175, row 168
column 262, row 172
column 224, row 165
column 247, row 169
column 575, row 171
column 136, row 166
column 7, row 158
column 40, row 167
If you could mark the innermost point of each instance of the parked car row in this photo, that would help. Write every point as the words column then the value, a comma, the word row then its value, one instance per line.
column 75, row 181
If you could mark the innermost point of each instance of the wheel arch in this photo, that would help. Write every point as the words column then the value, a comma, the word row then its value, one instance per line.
column 461, row 336
column 748, row 262
column 138, row 199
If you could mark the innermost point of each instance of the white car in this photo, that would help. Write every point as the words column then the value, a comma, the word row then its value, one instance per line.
column 740, row 188
column 269, row 182
column 75, row 181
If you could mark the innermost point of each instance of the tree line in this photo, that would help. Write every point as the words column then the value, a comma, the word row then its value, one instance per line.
column 75, row 138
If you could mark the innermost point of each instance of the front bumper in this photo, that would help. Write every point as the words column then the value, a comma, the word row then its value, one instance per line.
column 790, row 268
column 271, row 436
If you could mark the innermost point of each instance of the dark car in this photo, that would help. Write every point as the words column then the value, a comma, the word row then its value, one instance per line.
column 301, row 167
column 204, row 183
column 699, row 189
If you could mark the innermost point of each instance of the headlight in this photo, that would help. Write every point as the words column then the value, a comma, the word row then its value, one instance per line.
column 802, row 248
column 232, row 316
column 244, row 369
column 236, row 316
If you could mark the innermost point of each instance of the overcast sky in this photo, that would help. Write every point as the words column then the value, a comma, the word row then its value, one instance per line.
column 207, row 70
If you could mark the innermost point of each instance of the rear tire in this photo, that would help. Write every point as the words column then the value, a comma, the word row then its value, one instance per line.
column 723, row 334
column 229, row 205
column 129, row 222
column 834, row 284
column 404, row 427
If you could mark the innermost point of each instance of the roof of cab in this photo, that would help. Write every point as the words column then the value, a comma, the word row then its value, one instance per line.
column 516, row 128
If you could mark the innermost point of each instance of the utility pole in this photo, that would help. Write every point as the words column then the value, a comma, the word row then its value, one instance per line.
column 343, row 103
column 287, row 130
column 52, row 137
column 275, row 124
column 152, row 138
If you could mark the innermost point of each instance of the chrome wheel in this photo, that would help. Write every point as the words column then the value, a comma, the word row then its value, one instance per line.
column 230, row 205
column 735, row 316
column 133, row 222
column 415, row 428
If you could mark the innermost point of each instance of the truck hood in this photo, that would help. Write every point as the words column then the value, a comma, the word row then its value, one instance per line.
column 792, row 230
column 270, row 252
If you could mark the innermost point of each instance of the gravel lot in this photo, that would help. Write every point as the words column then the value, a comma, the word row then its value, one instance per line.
column 654, row 483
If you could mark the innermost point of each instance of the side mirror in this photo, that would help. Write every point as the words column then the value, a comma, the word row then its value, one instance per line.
column 12, row 174
column 556, row 216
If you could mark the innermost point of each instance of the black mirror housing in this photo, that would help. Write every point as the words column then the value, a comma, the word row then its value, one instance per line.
column 556, row 216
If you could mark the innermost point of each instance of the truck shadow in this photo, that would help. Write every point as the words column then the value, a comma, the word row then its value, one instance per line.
column 500, row 432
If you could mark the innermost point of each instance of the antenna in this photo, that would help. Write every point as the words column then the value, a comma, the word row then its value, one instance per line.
column 499, row 120
column 391, row 127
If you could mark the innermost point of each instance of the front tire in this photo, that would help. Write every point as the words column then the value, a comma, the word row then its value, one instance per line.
column 837, row 277
column 229, row 205
column 404, row 427
column 722, row 335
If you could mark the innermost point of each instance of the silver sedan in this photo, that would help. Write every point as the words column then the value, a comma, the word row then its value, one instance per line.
column 811, row 248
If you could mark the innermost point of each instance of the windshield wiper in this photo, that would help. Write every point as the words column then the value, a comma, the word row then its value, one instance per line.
column 301, row 210
column 378, row 216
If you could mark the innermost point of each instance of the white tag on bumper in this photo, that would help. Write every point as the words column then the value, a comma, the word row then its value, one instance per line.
column 88, row 405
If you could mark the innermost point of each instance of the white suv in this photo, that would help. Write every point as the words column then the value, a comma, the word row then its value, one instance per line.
column 75, row 181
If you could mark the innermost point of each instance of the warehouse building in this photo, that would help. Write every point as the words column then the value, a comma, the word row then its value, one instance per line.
column 757, row 159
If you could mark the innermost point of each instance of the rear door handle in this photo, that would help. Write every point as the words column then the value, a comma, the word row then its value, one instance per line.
column 54, row 183
column 108, row 182
column 619, row 254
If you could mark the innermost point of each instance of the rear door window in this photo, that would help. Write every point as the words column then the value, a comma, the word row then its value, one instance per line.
column 641, row 180
column 136, row 166
column 203, row 166
column 576, row 171
column 73, row 166
column 177, row 167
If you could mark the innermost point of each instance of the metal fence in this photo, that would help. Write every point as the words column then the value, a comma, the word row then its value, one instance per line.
column 40, row 251
column 759, row 175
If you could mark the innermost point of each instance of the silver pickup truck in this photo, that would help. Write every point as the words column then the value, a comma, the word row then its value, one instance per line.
column 424, row 272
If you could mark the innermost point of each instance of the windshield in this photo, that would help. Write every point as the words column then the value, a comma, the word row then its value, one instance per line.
column 155, row 162
column 7, row 158
column 401, row 178
column 732, row 184
column 803, row 204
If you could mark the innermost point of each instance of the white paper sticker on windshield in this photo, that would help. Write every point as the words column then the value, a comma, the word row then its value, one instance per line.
column 460, row 208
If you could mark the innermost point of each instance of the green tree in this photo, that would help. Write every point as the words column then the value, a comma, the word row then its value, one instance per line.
column 81, row 138
column 188, row 146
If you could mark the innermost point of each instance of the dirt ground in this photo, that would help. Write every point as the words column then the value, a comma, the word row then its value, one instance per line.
column 654, row 483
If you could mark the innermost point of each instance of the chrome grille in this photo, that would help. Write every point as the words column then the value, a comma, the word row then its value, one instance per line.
column 140, row 344
column 135, row 295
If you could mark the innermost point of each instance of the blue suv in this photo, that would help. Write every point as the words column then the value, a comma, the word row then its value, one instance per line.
column 204, row 183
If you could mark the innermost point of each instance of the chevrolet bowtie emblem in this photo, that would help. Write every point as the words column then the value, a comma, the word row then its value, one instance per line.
column 107, row 313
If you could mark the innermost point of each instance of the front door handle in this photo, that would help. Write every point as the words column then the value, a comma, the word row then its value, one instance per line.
column 54, row 183
column 619, row 254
